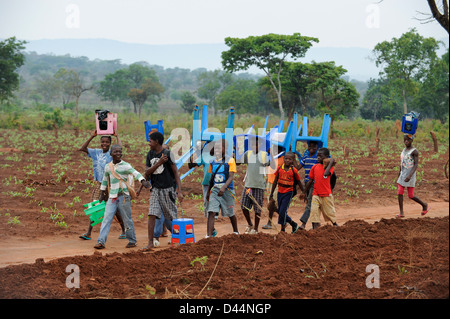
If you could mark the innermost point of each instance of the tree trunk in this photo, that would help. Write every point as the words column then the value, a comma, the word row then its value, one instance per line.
column 435, row 143
column 76, row 107
column 405, row 107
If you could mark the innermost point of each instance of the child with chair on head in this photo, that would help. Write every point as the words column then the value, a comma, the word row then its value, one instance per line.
column 409, row 161
column 257, row 159
column 100, row 158
column 322, row 199
column 308, row 160
column 221, row 192
column 287, row 179
column 276, row 160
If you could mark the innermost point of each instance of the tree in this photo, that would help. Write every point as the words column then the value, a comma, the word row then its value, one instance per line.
column 432, row 100
column 187, row 101
column 335, row 95
column 268, row 53
column 211, row 84
column 150, row 88
column 442, row 18
column 295, row 79
column 242, row 94
column 380, row 102
column 71, row 85
column 135, row 84
column 10, row 60
column 405, row 61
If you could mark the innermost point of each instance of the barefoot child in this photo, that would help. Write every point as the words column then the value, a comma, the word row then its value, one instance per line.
column 286, row 178
column 118, row 173
column 221, row 190
column 100, row 157
column 322, row 199
column 407, row 175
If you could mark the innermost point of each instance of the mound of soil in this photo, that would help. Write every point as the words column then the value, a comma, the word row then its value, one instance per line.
column 327, row 263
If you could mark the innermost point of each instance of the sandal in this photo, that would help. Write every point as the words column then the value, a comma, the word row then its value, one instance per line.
column 425, row 211
column 123, row 236
column 85, row 237
column 130, row 245
column 146, row 249
column 399, row 216
column 99, row 246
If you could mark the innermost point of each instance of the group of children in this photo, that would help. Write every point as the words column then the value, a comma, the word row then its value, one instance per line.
column 112, row 177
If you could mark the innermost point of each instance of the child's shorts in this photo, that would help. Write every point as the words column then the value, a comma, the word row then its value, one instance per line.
column 163, row 201
column 324, row 205
column 224, row 202
column 247, row 202
column 401, row 190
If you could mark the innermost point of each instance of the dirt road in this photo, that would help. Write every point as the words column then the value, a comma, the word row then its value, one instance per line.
column 20, row 250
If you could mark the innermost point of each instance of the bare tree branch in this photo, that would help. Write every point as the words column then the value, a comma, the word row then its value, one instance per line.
column 441, row 18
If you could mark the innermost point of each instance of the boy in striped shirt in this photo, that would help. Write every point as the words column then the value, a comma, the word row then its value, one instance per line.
column 119, row 197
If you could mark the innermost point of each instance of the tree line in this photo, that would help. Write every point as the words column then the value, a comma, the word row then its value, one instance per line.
column 412, row 77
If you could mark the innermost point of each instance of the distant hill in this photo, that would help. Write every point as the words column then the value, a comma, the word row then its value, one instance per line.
column 193, row 56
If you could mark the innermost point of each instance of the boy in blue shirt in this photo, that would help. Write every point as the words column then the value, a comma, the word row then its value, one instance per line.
column 100, row 158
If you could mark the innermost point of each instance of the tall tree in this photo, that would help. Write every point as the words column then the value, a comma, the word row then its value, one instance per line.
column 135, row 84
column 268, row 53
column 150, row 88
column 10, row 60
column 335, row 95
column 71, row 85
column 405, row 61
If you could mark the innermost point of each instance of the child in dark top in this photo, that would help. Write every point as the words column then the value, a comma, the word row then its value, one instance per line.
column 166, row 185
column 286, row 177
column 322, row 199
column 308, row 160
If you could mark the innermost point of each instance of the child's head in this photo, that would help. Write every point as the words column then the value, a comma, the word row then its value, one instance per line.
column 220, row 147
column 116, row 152
column 155, row 139
column 312, row 147
column 289, row 158
column 322, row 154
column 257, row 144
column 105, row 142
column 408, row 139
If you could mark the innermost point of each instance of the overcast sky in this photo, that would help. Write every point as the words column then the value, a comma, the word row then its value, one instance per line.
column 337, row 23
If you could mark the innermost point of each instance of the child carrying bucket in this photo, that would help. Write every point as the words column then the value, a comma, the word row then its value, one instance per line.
column 407, row 175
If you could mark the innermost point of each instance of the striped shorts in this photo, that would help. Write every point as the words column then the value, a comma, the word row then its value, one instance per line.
column 163, row 201
column 247, row 202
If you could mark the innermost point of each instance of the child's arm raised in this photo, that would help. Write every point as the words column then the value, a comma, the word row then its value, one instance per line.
column 84, row 147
